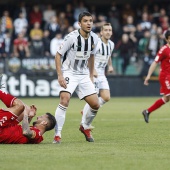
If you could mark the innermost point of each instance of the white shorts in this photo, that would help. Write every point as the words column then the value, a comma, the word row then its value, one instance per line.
column 81, row 84
column 101, row 83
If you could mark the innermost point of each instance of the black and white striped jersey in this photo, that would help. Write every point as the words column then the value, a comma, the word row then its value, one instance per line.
column 76, row 51
column 102, row 56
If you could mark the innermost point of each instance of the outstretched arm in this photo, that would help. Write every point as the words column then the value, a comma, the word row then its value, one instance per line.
column 151, row 70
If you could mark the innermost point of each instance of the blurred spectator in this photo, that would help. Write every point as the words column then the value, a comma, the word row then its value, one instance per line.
column 35, row 15
column 143, row 43
column 8, row 43
column 36, row 32
column 69, row 13
column 55, row 43
column 46, row 43
column 2, row 45
column 113, row 18
column 98, row 22
column 126, row 49
column 20, row 24
column 21, row 9
column 129, row 27
column 156, row 14
column 164, row 23
column 48, row 13
column 126, row 11
column 160, row 37
column 139, row 33
column 6, row 22
column 36, row 35
column 53, row 27
column 21, row 48
column 63, row 22
column 78, row 9
column 145, row 23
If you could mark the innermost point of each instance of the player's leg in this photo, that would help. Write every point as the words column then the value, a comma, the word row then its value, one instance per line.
column 165, row 90
column 104, row 96
column 93, row 103
column 13, row 104
column 104, row 90
column 13, row 111
column 60, row 113
column 86, row 91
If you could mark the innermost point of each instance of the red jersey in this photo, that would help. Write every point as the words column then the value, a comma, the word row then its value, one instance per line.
column 20, row 42
column 11, row 132
column 163, row 56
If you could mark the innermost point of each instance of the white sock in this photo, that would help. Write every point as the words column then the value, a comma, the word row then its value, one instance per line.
column 91, row 114
column 60, row 115
column 85, row 110
column 101, row 102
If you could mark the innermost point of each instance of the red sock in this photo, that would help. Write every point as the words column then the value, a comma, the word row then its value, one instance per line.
column 6, row 98
column 156, row 105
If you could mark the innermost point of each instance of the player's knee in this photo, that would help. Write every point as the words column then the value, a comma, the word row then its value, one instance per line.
column 106, row 98
column 166, row 99
column 95, row 106
column 64, row 101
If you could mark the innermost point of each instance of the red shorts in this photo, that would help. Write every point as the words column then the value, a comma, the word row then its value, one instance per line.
column 165, row 84
column 7, row 118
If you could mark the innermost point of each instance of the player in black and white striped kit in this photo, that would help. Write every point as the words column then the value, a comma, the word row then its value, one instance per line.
column 102, row 59
column 77, row 49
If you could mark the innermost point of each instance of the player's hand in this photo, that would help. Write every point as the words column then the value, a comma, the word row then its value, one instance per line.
column 95, row 73
column 146, row 82
column 62, row 82
column 110, row 69
column 33, row 111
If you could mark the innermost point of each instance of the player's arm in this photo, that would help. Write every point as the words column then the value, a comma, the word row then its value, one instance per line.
column 61, row 79
column 25, row 124
column 64, row 47
column 110, row 66
column 151, row 70
column 91, row 66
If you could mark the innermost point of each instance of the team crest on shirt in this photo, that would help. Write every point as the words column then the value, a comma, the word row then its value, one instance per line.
column 61, row 46
column 92, row 46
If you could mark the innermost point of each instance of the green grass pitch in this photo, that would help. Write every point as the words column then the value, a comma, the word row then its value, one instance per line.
column 123, row 141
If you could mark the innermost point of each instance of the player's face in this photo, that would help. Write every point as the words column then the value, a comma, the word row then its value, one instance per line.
column 40, row 119
column 106, row 32
column 168, row 40
column 86, row 24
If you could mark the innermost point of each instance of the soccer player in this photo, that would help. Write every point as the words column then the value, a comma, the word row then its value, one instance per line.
column 102, row 59
column 13, row 133
column 163, row 56
column 78, row 50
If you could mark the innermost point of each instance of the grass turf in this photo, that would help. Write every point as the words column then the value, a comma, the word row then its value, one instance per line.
column 122, row 139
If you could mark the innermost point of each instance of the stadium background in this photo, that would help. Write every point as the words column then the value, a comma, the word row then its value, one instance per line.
column 37, row 77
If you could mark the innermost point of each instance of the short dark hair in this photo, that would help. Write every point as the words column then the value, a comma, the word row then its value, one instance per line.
column 106, row 24
column 85, row 13
column 167, row 34
column 51, row 123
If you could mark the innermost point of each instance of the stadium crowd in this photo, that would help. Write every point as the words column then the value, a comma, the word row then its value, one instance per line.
column 34, row 31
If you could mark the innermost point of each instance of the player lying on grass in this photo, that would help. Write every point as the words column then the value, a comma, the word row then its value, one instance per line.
column 13, row 133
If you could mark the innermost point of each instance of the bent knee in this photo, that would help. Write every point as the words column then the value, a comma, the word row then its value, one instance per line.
column 95, row 106
column 64, row 100
column 106, row 99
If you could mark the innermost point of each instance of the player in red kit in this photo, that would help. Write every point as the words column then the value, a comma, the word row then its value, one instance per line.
column 162, row 57
column 13, row 133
